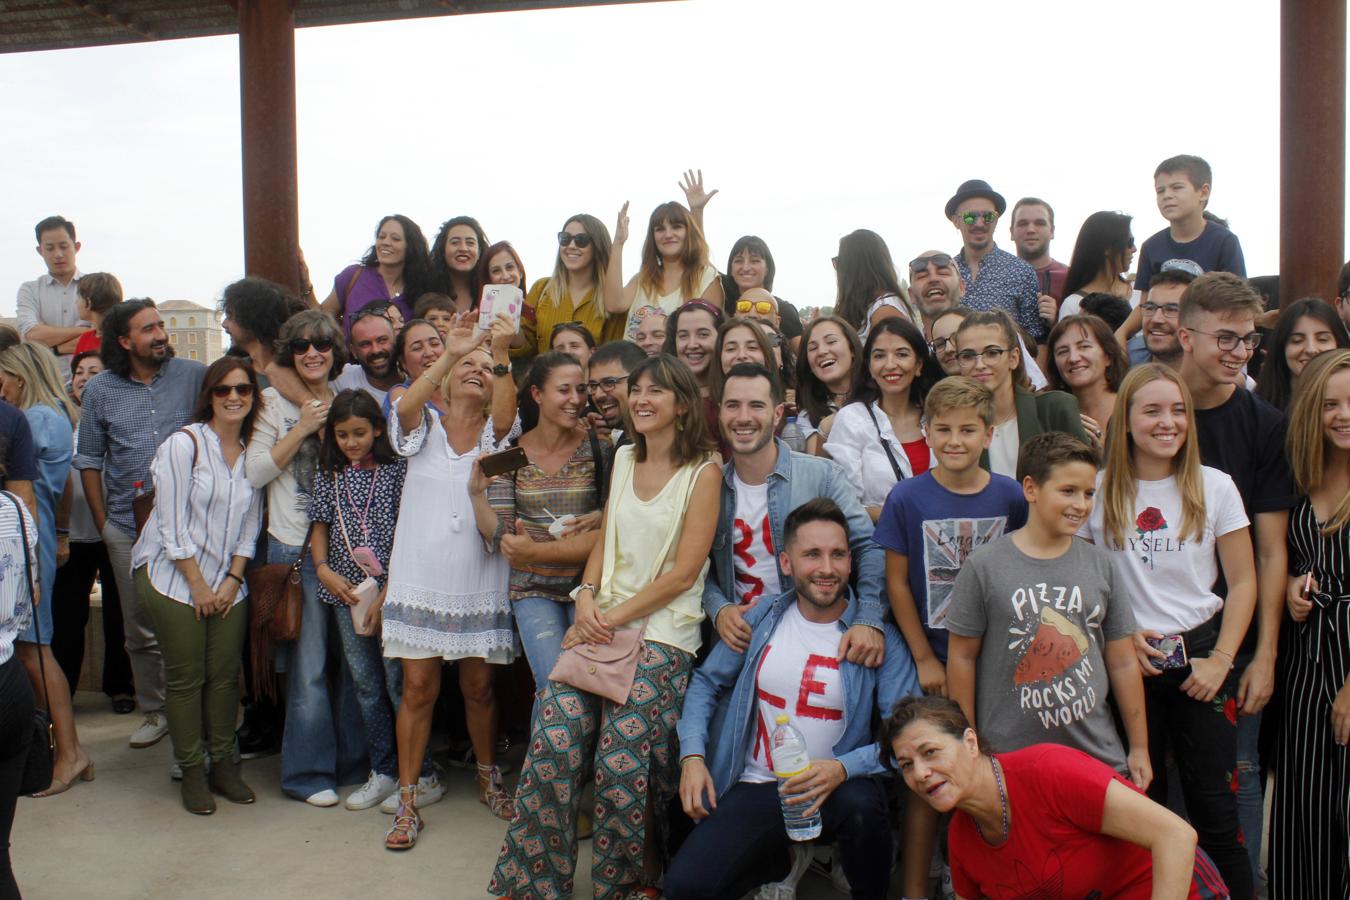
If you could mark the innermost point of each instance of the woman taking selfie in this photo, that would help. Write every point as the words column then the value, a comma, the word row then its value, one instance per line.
column 645, row 573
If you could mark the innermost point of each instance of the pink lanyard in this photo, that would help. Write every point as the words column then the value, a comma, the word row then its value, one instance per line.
column 374, row 476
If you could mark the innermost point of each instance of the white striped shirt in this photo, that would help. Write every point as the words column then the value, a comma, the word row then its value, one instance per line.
column 209, row 512
column 16, row 600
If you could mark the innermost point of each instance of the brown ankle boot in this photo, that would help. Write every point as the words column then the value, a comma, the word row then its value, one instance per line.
column 227, row 781
column 197, row 797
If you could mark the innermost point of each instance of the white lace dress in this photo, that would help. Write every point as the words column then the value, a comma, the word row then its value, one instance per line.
column 447, row 594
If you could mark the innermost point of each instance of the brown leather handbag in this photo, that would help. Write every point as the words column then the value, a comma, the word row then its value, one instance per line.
column 144, row 503
column 276, row 600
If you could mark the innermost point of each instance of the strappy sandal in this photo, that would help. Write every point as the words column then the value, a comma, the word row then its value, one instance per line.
column 408, row 823
column 492, row 793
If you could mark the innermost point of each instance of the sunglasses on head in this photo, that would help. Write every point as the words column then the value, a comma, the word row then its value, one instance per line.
column 582, row 240
column 221, row 391
column 301, row 346
column 763, row 307
column 920, row 263
column 970, row 218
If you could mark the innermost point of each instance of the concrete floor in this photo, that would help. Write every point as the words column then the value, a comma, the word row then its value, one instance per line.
column 125, row 835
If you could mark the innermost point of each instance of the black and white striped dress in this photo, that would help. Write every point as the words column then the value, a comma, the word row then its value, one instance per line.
column 1310, row 812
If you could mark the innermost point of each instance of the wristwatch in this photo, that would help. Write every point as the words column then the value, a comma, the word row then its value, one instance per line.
column 501, row 370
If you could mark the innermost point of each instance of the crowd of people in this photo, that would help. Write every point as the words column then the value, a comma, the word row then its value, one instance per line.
column 1036, row 556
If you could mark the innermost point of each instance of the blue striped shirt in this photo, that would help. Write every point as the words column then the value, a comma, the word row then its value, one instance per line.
column 16, row 598
column 123, row 422
column 209, row 512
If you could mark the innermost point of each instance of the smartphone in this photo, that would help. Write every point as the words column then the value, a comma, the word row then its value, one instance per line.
column 1174, row 645
column 501, row 463
column 500, row 298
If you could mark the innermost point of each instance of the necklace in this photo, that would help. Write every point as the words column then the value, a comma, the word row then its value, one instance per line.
column 1003, row 799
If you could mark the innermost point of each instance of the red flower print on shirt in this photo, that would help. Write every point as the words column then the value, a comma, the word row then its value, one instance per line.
column 1151, row 519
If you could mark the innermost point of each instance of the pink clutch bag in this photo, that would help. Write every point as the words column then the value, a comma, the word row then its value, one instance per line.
column 606, row 670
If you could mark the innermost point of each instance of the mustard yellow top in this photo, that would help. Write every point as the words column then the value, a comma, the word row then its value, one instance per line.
column 542, row 311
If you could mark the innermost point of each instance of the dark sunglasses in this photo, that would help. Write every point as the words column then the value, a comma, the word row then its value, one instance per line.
column 581, row 240
column 301, row 346
column 920, row 263
column 221, row 391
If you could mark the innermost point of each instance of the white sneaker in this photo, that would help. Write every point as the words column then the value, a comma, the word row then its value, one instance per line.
column 429, row 790
column 376, row 788
column 323, row 798
column 151, row 732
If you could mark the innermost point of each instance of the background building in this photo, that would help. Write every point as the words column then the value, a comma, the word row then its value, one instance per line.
column 193, row 330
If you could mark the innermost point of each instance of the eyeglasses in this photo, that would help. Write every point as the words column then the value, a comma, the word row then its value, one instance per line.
column 938, row 345
column 582, row 240
column 606, row 385
column 990, row 355
column 221, row 391
column 1169, row 310
column 1229, row 341
column 763, row 307
column 970, row 218
column 941, row 260
column 300, row 346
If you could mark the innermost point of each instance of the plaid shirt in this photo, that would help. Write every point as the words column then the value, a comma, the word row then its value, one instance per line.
column 123, row 422
column 1007, row 283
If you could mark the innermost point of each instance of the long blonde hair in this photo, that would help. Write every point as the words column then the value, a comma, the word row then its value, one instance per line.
column 556, row 286
column 35, row 364
column 1120, row 483
column 1305, row 441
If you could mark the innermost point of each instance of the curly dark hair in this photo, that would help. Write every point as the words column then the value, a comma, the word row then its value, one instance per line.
column 260, row 307
column 440, row 269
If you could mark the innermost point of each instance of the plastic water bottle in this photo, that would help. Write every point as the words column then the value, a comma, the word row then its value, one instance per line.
column 792, row 435
column 787, row 750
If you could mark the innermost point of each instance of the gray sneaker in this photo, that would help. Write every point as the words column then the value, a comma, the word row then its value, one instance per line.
column 151, row 732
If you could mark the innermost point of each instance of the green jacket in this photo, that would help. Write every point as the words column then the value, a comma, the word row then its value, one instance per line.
column 1046, row 411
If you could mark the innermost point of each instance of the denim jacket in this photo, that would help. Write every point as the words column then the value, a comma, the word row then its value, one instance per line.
column 718, row 720
column 795, row 479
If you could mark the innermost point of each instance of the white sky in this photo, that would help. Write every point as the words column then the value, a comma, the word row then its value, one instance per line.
column 812, row 118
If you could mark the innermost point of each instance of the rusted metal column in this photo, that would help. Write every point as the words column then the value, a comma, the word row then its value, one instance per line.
column 1312, row 147
column 267, row 101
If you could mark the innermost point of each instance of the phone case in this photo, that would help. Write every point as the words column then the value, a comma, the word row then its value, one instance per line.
column 503, row 462
column 1174, row 645
column 500, row 298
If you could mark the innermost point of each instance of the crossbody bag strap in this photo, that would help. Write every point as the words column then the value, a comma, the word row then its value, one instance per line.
column 601, row 476
column 36, row 599
column 342, row 524
column 885, row 445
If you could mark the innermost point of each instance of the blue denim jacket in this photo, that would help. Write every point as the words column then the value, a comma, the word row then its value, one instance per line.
column 796, row 478
column 718, row 719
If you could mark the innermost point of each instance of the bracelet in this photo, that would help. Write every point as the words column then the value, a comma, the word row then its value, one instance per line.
column 320, row 562
column 61, row 532
column 433, row 381
column 235, row 577
column 1222, row 653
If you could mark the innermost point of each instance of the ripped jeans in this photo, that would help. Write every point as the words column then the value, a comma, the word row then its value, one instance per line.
column 542, row 621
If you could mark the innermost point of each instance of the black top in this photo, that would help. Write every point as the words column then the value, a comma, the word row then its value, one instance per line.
column 1244, row 437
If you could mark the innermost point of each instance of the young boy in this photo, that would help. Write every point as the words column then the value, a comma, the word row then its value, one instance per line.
column 1058, row 621
column 928, row 527
column 1182, row 187
column 437, row 309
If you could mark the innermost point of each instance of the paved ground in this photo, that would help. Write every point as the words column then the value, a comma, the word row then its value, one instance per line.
column 125, row 835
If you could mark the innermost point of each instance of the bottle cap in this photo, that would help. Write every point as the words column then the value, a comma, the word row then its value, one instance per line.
column 780, row 719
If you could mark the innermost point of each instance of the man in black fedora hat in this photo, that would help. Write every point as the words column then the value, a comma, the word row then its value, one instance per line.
column 993, row 278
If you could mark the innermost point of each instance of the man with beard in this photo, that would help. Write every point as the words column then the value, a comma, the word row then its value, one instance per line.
column 372, row 346
column 607, row 385
column 993, row 278
column 1158, row 317
column 934, row 286
column 727, row 782
column 762, row 484
column 143, row 395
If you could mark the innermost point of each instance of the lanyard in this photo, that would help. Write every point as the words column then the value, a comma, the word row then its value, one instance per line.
column 363, row 513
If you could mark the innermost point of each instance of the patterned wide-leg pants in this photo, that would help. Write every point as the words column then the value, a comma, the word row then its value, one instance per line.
column 635, row 769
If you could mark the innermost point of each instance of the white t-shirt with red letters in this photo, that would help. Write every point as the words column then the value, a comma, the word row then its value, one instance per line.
column 752, row 548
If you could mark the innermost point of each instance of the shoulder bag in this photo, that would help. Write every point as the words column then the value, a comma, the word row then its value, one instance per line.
column 37, row 767
column 142, row 504
column 885, row 445
column 276, row 599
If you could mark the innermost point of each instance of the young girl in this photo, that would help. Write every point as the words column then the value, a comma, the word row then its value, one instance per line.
column 501, row 265
column 1173, row 526
column 354, row 507
column 573, row 338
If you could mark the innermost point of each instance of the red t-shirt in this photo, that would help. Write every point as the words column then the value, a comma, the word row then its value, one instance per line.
column 1055, row 847
column 88, row 341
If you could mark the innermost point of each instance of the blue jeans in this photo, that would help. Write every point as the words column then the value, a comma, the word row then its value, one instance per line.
column 324, row 743
column 542, row 621
column 1250, row 795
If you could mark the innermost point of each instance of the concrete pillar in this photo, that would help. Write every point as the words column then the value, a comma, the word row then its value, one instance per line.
column 267, row 100
column 1312, row 147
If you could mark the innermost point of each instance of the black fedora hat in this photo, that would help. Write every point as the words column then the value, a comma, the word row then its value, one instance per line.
column 975, row 188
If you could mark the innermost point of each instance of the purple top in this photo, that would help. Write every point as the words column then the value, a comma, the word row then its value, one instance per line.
column 367, row 287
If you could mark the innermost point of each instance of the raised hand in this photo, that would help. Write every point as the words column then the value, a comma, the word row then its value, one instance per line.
column 463, row 337
column 692, row 185
column 621, row 226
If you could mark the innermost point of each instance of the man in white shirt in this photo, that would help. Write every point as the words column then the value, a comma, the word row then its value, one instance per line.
column 46, row 305
column 372, row 346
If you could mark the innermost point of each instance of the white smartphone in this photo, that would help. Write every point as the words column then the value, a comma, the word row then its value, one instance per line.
column 500, row 298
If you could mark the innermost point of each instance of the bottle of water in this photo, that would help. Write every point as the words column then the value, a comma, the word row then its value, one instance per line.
column 792, row 435
column 787, row 750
